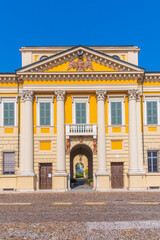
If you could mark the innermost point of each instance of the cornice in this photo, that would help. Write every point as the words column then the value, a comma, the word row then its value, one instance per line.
column 39, row 76
column 152, row 77
column 8, row 78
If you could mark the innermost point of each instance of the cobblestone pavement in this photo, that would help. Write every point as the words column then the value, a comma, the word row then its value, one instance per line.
column 92, row 215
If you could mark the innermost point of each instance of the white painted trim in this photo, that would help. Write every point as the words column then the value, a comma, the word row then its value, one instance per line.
column 82, row 99
column 38, row 101
column 116, row 98
column 15, row 111
column 145, row 109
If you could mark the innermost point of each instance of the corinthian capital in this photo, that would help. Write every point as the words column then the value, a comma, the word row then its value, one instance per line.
column 60, row 95
column 101, row 95
column 134, row 94
column 26, row 95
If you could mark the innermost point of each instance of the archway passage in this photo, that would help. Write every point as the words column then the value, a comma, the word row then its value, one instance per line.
column 81, row 152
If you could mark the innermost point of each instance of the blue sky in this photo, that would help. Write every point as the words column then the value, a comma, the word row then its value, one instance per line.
column 90, row 22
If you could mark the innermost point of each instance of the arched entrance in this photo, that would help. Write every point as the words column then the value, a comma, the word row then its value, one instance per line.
column 81, row 157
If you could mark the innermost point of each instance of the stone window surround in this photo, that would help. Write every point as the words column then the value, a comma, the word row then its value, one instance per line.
column 8, row 99
column 83, row 99
column 116, row 98
column 151, row 98
column 44, row 98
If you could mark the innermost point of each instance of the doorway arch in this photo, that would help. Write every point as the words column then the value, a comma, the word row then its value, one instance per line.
column 82, row 149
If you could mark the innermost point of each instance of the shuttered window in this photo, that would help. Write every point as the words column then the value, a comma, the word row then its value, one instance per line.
column 80, row 112
column 8, row 163
column 8, row 113
column 152, row 116
column 152, row 161
column 45, row 114
column 116, row 113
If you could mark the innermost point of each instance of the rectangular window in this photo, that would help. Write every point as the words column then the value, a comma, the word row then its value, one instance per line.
column 8, row 163
column 45, row 113
column 8, row 113
column 80, row 112
column 152, row 116
column 116, row 113
column 152, row 161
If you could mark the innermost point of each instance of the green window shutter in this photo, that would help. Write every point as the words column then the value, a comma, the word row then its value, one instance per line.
column 45, row 115
column 8, row 114
column 116, row 113
column 113, row 113
column 80, row 113
column 83, row 112
column 152, row 113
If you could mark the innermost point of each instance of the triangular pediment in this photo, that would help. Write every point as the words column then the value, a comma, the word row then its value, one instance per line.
column 79, row 59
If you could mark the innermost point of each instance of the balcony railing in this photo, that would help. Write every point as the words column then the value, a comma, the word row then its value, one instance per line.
column 81, row 129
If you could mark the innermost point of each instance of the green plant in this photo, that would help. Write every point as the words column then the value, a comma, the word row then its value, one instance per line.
column 86, row 171
column 90, row 180
column 79, row 175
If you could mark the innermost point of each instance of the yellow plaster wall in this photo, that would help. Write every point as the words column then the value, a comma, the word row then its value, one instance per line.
column 116, row 145
column 45, row 146
column 93, row 109
column 68, row 110
column 55, row 115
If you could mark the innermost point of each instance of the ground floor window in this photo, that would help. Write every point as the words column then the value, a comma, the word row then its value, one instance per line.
column 8, row 163
column 152, row 161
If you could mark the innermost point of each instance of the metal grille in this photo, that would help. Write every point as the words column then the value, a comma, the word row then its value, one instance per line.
column 8, row 163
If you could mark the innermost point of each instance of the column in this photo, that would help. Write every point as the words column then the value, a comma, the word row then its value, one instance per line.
column 61, row 164
column 136, row 172
column 139, row 133
column 102, row 174
column 26, row 166
column 26, row 177
column 133, row 150
column 60, row 181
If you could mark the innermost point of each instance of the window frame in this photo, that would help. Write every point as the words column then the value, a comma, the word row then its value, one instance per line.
column 15, row 112
column 152, row 158
column 116, row 98
column 8, row 173
column 145, row 110
column 43, row 100
column 80, row 99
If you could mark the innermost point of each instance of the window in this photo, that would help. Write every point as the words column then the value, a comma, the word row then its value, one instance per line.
column 8, row 163
column 45, row 113
column 80, row 109
column 116, row 113
column 152, row 161
column 8, row 113
column 152, row 113
column 80, row 112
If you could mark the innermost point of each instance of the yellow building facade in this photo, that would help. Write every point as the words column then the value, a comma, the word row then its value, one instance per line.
column 93, row 101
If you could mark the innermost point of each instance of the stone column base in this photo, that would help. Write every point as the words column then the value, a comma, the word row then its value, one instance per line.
column 102, row 182
column 26, row 183
column 137, row 181
column 60, row 182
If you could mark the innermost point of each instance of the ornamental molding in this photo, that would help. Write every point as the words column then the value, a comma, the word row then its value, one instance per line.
column 60, row 95
column 101, row 95
column 26, row 95
column 69, row 55
column 74, row 76
column 8, row 78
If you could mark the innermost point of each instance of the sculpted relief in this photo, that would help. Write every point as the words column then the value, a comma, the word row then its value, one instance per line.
column 80, row 65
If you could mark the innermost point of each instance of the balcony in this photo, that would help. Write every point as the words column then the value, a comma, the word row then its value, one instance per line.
column 81, row 130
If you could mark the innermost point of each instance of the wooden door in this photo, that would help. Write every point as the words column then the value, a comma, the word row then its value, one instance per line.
column 45, row 174
column 117, row 175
